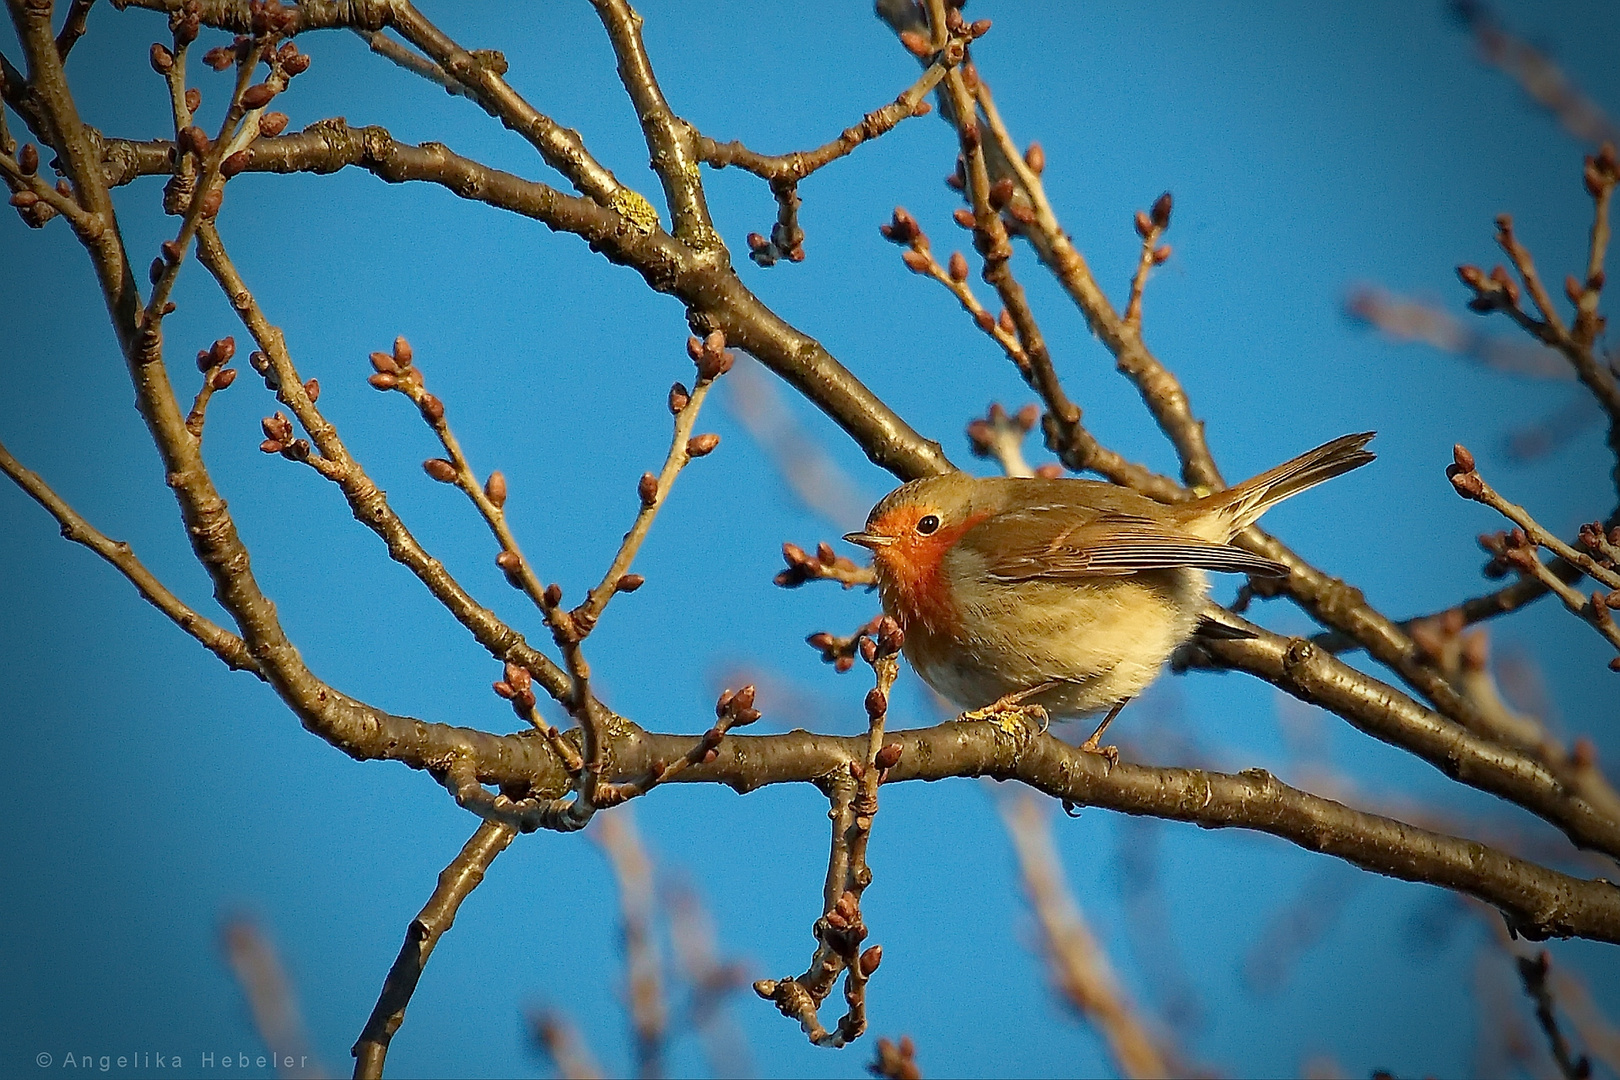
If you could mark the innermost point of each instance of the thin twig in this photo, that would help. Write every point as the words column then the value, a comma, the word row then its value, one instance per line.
column 270, row 998
column 633, row 874
column 456, row 881
column 216, row 639
column 1079, row 965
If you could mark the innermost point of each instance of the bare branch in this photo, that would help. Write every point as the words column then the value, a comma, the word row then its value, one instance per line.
column 216, row 639
column 456, row 881
column 1079, row 965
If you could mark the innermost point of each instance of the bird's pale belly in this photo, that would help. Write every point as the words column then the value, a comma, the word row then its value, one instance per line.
column 1104, row 642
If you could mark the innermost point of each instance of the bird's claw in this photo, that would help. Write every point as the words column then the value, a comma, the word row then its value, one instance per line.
column 1108, row 753
column 1010, row 717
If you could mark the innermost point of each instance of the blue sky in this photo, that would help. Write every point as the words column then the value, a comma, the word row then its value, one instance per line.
column 1309, row 150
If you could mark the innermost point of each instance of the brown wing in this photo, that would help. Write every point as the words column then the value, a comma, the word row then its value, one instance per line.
column 1058, row 541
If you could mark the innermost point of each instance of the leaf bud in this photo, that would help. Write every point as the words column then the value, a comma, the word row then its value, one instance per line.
column 495, row 489
column 1160, row 213
column 28, row 159
column 888, row 756
column 678, row 398
column 162, row 59
column 702, row 445
column 432, row 408
column 272, row 124
column 257, row 96
column 647, row 489
column 440, row 469
column 629, row 583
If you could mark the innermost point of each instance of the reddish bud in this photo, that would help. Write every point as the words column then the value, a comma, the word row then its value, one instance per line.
column 888, row 756
column 553, row 594
column 162, row 59
column 1001, row 193
column 1161, row 254
column 220, row 57
column 629, row 583
column 1035, row 158
column 1464, row 459
column 313, row 389
column 1472, row 276
column 504, row 689
column 1005, row 321
column 679, row 398
column 702, row 445
column 270, row 446
column 1160, row 214
column 985, row 320
column 153, row 273
column 1467, row 482
column 222, row 378
column 432, row 408
column 877, row 703
column 963, row 217
column 1143, row 224
column 757, row 242
column 440, row 469
column 868, row 649
column 28, row 159
column 257, row 96
column 272, row 124
column 843, row 664
column 22, row 200
column 193, row 99
column 194, row 139
column 916, row 44
column 958, row 267
column 495, row 489
column 211, row 202
column 979, row 28
column 922, row 108
column 915, row 261
column 235, row 163
column 383, row 381
column 508, row 561
column 384, row 363
column 871, row 958
column 171, row 251
column 1050, row 471
column 402, row 352
column 647, row 488
column 296, row 64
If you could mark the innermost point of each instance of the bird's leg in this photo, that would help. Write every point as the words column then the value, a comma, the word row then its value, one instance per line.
column 1091, row 746
column 1012, row 705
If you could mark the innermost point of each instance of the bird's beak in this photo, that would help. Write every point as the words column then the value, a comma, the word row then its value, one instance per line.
column 869, row 540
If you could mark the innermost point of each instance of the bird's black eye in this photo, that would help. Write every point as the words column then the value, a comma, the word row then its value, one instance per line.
column 928, row 524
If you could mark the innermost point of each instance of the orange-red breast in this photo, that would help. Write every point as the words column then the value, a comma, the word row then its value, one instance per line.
column 1005, row 584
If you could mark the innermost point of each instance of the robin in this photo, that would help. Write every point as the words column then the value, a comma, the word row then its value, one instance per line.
column 1064, row 595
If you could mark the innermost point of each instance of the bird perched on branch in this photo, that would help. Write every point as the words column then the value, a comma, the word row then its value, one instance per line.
column 1065, row 595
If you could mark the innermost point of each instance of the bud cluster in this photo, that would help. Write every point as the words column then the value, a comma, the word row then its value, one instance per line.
column 825, row 565
column 517, row 686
